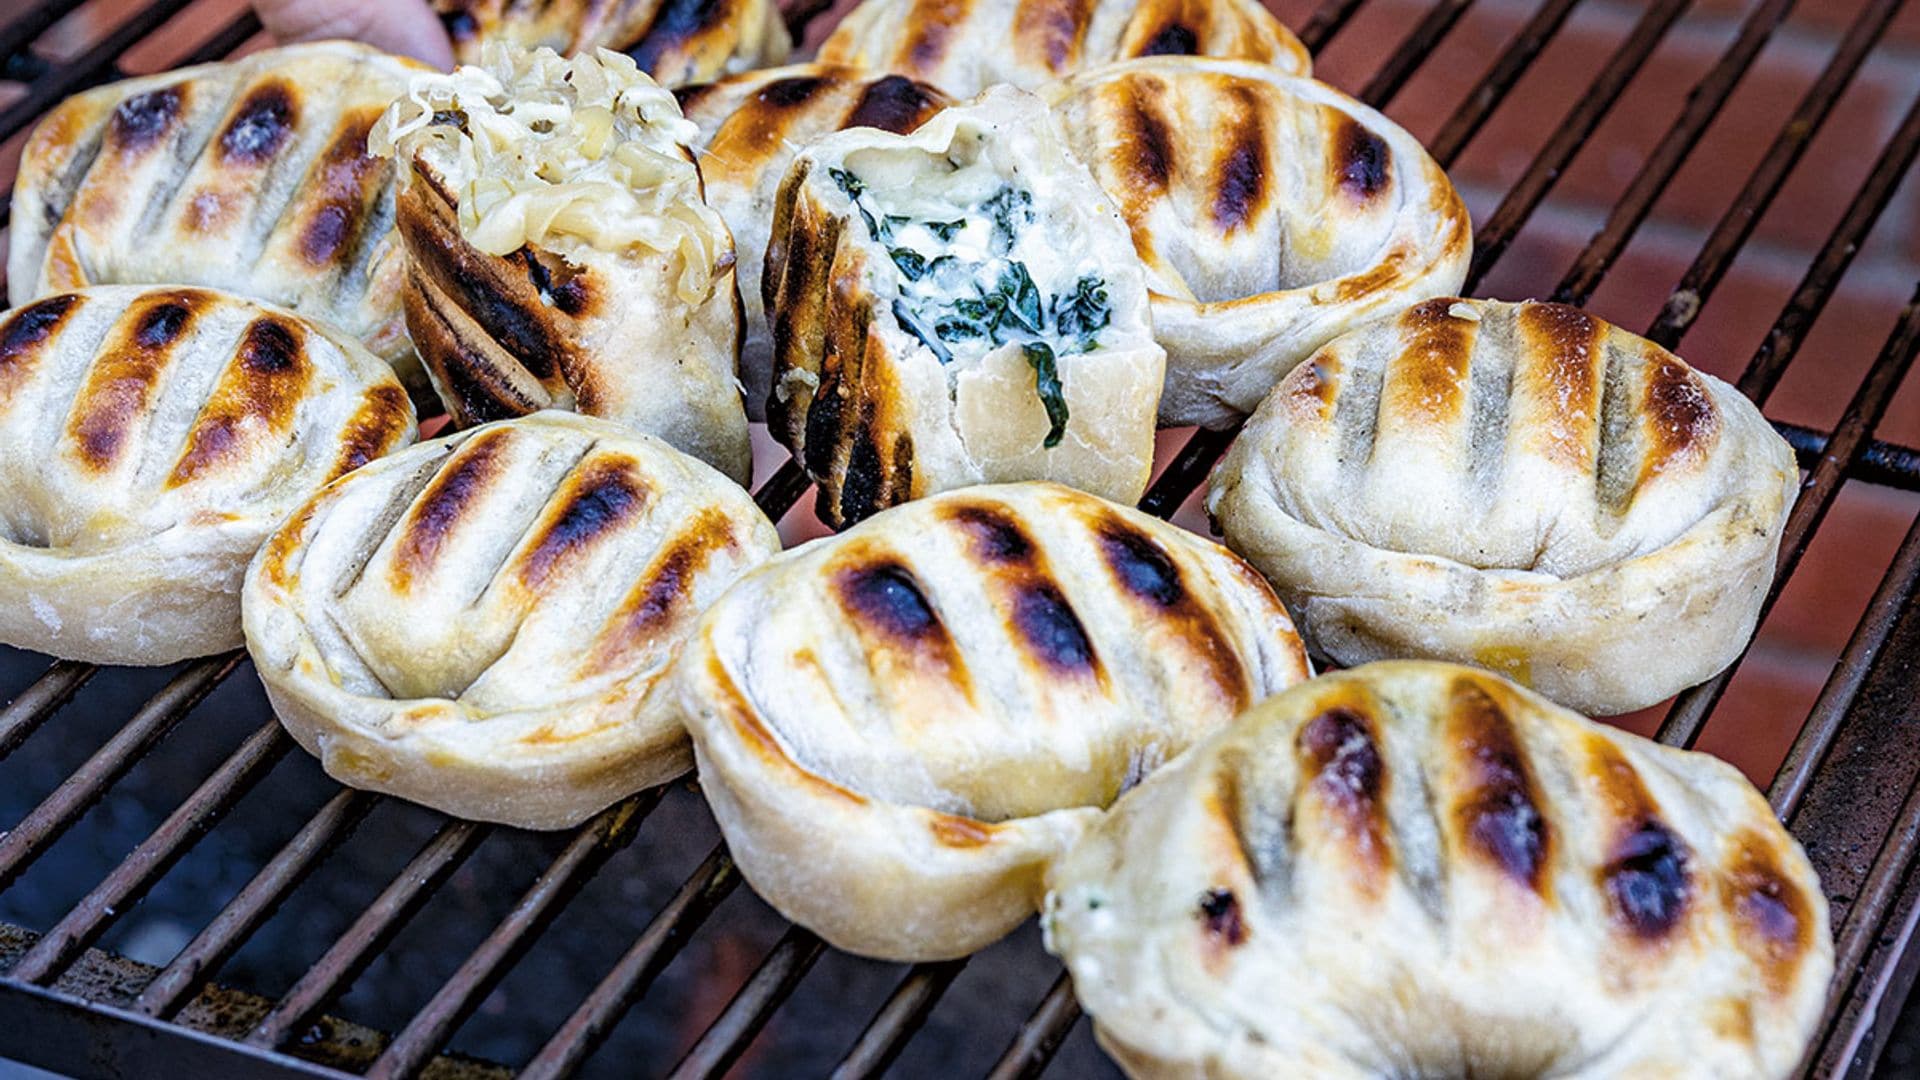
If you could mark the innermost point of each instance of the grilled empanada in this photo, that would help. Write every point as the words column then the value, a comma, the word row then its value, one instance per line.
column 899, row 727
column 480, row 624
column 1273, row 213
column 150, row 439
column 1418, row 869
column 674, row 41
column 957, row 306
column 965, row 46
column 1518, row 486
column 561, row 254
column 750, row 128
column 250, row 176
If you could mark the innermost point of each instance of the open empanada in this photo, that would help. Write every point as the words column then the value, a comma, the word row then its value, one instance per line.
column 561, row 254
column 1274, row 213
column 957, row 306
column 674, row 41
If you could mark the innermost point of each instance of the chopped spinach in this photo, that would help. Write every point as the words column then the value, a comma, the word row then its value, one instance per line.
column 1046, row 383
column 848, row 182
column 911, row 263
column 945, row 230
column 910, row 322
column 1011, row 209
column 1022, row 296
column 1084, row 312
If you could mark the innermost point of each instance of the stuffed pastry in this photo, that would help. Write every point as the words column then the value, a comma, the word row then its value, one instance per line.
column 957, row 306
column 561, row 253
column 674, row 41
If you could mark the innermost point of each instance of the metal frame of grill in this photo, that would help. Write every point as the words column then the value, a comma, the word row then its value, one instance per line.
column 1857, row 737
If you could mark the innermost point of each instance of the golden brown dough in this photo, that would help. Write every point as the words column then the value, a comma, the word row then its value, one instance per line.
column 899, row 727
column 1519, row 486
column 674, row 41
column 150, row 439
column 1418, row 869
column 481, row 624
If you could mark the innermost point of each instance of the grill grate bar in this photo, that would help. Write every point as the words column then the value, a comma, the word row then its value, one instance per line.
column 195, row 964
column 347, row 957
column 1527, row 193
column 24, row 715
column 1862, row 929
column 1515, row 60
column 1887, row 464
column 21, row 31
column 129, row 881
column 1689, row 713
column 1703, row 105
column 1767, row 178
column 609, row 831
column 783, row 489
column 730, row 1033
column 617, row 992
column 898, row 1020
column 1327, row 21
column 78, row 792
column 1407, row 59
column 230, row 38
column 1039, row 1038
column 90, row 68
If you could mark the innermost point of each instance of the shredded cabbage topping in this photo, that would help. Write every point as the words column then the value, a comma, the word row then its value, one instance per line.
column 535, row 146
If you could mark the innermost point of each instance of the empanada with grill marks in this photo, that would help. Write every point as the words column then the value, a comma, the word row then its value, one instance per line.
column 481, row 624
column 1420, row 869
column 899, row 727
column 675, row 41
column 250, row 176
column 1518, row 486
column 965, row 46
column 561, row 253
column 751, row 126
column 957, row 306
column 150, row 439
column 1273, row 213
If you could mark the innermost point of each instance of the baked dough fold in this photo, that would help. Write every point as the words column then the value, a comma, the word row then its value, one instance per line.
column 1519, row 486
column 1273, row 213
column 674, row 41
column 751, row 126
column 150, row 439
column 250, row 176
column 561, row 253
column 957, row 306
column 1419, row 869
column 481, row 624
column 965, row 46
column 897, row 728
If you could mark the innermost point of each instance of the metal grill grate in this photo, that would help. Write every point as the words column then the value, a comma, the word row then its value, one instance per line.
column 1847, row 785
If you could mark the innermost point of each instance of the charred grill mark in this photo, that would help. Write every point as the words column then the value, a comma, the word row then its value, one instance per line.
column 1144, row 570
column 161, row 325
column 886, row 597
column 1313, row 386
column 479, row 393
column 748, row 726
column 375, row 429
column 1646, row 881
column 604, row 496
column 1041, row 616
column 569, row 293
column 993, row 536
column 1172, row 39
column 664, row 593
column 1051, row 629
column 1050, row 30
column 119, row 388
column 1362, row 161
column 260, row 126
column 690, row 96
column 444, row 505
column 461, row 26
column 1430, row 376
column 895, row 103
column 676, row 24
column 1680, row 415
column 1498, row 811
column 1148, row 146
column 1240, row 184
column 1338, row 750
column 791, row 92
column 24, row 336
column 141, row 120
column 345, row 180
column 1220, row 916
column 255, row 399
column 1773, row 921
column 932, row 23
column 1564, row 343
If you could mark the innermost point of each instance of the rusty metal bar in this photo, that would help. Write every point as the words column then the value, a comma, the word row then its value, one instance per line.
column 1407, row 59
column 656, row 947
column 90, row 68
column 254, row 904
column 731, row 1032
column 1040, row 1037
column 1326, row 22
column 24, row 714
column 19, row 32
column 231, row 37
column 1514, row 61
column 1856, row 938
column 897, row 1021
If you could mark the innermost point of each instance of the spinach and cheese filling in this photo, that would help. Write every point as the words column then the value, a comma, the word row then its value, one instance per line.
column 978, row 273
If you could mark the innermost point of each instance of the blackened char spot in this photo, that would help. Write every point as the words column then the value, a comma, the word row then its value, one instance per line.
column 143, row 118
column 1151, row 159
column 326, row 233
column 995, row 537
column 261, row 126
column 1647, row 880
column 1346, row 763
column 1242, row 181
column 787, row 93
column 895, row 103
column 886, row 596
column 32, row 325
column 569, row 295
column 606, row 494
column 1171, row 40
column 676, row 23
column 1220, row 912
column 1363, row 160
column 1501, row 817
column 444, row 504
column 271, row 347
column 160, row 325
column 1051, row 629
column 862, row 490
column 461, row 25
column 1142, row 566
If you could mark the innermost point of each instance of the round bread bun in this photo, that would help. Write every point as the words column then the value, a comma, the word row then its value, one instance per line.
column 751, row 126
column 965, row 46
column 560, row 253
column 1518, row 486
column 150, row 439
column 1273, row 213
column 674, row 43
column 957, row 306
column 479, row 624
column 899, row 727
column 248, row 175
column 1419, row 869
